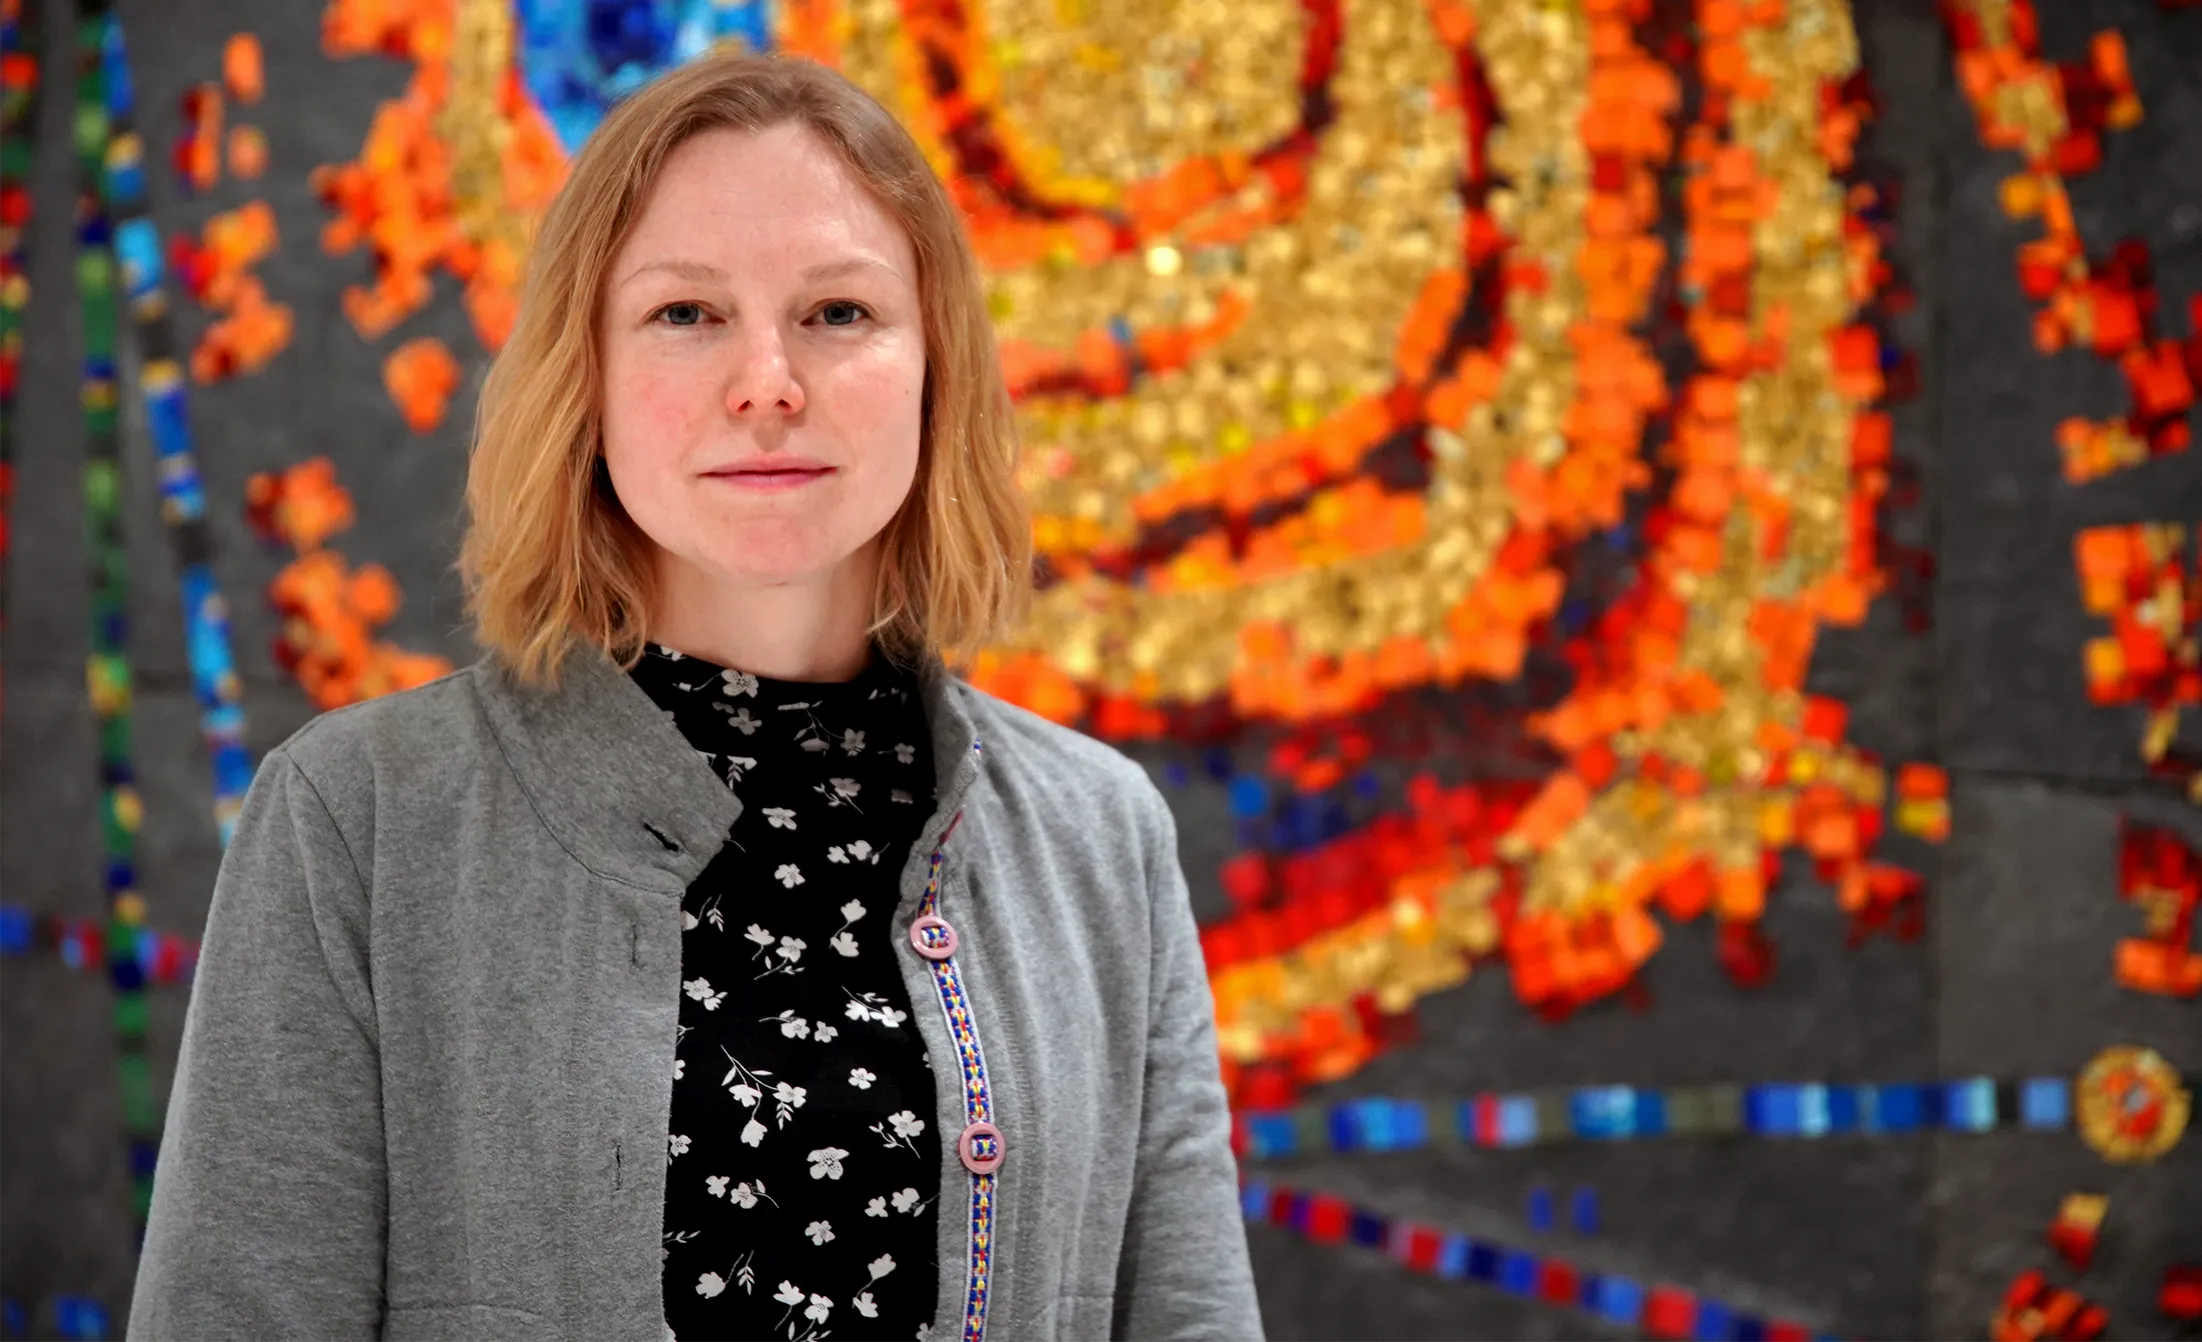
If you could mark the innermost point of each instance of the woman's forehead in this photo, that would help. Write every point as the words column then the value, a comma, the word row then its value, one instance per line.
column 780, row 197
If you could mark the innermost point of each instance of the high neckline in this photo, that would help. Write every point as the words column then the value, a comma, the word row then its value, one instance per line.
column 672, row 669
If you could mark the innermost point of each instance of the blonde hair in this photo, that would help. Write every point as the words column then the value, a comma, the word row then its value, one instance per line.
column 551, row 560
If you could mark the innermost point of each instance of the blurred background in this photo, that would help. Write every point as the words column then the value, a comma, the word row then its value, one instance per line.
column 1652, row 545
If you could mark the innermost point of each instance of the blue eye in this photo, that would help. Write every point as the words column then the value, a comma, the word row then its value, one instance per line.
column 842, row 314
column 681, row 314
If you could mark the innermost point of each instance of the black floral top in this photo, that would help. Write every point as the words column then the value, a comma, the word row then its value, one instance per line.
column 799, row 1202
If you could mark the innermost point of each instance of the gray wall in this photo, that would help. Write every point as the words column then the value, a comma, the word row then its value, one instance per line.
column 1884, row 1237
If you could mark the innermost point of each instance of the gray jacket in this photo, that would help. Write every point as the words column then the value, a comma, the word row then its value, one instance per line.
column 427, row 1066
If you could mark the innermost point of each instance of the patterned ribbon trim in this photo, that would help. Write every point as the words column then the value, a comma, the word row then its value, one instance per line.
column 1659, row 1311
column 1625, row 1113
column 978, row 1103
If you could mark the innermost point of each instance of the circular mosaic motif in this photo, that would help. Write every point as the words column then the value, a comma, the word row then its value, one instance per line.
column 2132, row 1107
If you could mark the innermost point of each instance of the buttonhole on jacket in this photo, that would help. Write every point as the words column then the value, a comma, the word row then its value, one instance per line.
column 634, row 944
column 662, row 837
column 617, row 1164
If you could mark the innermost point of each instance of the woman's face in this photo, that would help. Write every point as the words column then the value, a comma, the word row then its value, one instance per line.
column 763, row 367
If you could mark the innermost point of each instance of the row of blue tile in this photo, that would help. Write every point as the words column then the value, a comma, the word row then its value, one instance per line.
column 1615, row 1113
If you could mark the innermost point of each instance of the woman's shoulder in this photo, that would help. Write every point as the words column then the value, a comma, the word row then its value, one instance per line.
column 1072, row 770
column 438, row 724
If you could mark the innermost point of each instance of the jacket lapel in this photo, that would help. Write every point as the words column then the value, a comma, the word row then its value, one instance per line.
column 625, row 793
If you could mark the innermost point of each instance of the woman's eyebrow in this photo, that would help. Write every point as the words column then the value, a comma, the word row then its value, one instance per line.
column 833, row 270
column 701, row 272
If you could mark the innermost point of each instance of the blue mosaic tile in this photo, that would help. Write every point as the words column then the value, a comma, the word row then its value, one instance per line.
column 1970, row 1105
column 1517, row 1120
column 1452, row 1257
column 1620, row 1300
column 579, row 57
column 1540, row 1209
column 1518, row 1272
column 1711, row 1324
column 2045, row 1102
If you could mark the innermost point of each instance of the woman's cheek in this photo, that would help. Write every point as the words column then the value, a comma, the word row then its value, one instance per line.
column 661, row 400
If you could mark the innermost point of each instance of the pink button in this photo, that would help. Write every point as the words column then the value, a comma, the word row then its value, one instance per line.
column 981, row 1148
column 933, row 938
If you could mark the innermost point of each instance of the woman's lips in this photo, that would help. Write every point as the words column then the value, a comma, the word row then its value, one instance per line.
column 772, row 480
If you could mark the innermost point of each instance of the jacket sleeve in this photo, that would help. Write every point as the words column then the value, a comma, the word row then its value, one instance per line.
column 269, row 1194
column 1183, row 1272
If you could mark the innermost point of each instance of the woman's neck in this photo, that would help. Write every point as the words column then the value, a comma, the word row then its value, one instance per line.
column 813, row 630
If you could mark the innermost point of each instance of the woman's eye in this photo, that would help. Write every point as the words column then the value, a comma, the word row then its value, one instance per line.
column 681, row 314
column 842, row 314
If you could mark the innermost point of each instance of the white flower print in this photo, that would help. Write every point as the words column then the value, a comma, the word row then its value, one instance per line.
column 906, row 1125
column 742, row 1083
column 774, row 1110
column 675, row 1145
column 859, row 851
column 790, row 952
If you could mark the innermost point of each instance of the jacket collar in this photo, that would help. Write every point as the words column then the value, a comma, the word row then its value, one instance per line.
column 624, row 792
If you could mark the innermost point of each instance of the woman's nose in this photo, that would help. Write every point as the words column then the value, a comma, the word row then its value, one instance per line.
column 763, row 379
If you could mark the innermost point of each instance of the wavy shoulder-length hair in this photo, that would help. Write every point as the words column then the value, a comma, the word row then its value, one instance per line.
column 551, row 560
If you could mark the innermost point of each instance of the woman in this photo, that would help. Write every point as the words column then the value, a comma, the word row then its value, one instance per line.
column 707, row 961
